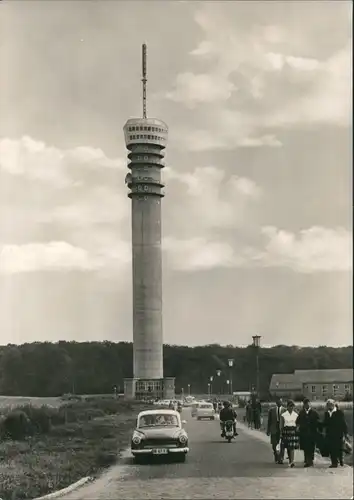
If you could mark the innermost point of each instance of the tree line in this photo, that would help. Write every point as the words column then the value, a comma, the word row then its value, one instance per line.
column 52, row 369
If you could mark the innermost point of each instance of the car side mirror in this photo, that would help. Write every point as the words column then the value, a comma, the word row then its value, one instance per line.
column 184, row 421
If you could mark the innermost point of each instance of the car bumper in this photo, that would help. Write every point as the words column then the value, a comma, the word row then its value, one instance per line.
column 149, row 451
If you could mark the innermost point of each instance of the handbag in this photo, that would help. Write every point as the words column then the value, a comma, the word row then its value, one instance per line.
column 347, row 446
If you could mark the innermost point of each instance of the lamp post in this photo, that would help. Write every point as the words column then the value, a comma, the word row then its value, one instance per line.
column 218, row 373
column 257, row 344
column 189, row 389
column 211, row 384
column 209, row 393
column 228, row 386
column 182, row 393
column 231, row 364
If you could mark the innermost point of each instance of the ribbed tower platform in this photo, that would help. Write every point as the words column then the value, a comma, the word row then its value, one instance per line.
column 146, row 139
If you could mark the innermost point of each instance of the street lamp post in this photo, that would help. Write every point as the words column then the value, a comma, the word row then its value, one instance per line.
column 257, row 344
column 218, row 373
column 211, row 384
column 228, row 386
column 209, row 393
column 189, row 389
column 182, row 393
column 231, row 364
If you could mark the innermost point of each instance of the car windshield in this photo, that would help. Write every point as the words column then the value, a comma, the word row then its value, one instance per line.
column 159, row 419
column 206, row 406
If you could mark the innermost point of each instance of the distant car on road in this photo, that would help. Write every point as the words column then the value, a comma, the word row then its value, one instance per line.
column 159, row 432
column 205, row 411
column 194, row 408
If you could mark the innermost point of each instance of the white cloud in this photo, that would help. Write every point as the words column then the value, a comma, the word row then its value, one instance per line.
column 100, row 205
column 35, row 160
column 265, row 140
column 227, row 130
column 329, row 100
column 205, row 48
column 197, row 254
column 32, row 159
column 280, row 61
column 53, row 256
column 211, row 199
column 209, row 88
column 314, row 249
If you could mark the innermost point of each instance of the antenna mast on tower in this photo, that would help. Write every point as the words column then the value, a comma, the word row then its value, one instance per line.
column 144, row 79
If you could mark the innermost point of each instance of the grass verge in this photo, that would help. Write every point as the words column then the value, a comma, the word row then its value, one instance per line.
column 65, row 444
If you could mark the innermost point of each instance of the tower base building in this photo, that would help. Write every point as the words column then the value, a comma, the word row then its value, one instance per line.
column 152, row 389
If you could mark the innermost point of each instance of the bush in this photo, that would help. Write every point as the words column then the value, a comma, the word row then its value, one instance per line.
column 105, row 458
column 16, row 426
column 40, row 418
column 73, row 429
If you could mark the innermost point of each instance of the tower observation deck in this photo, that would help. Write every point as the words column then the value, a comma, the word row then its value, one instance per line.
column 146, row 140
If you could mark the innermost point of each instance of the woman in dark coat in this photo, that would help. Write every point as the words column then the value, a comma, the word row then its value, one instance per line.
column 336, row 429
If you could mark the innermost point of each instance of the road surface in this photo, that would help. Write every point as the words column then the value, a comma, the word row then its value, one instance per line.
column 217, row 469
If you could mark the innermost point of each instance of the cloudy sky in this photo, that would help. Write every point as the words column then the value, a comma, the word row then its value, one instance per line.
column 257, row 218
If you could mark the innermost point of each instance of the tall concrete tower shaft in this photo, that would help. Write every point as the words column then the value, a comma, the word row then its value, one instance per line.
column 146, row 140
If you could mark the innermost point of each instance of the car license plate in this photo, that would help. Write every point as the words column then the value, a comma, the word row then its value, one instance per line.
column 160, row 451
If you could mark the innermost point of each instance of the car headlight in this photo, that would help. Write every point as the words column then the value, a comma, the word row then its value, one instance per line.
column 136, row 439
column 182, row 438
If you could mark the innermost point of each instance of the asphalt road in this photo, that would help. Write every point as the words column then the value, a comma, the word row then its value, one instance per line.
column 217, row 469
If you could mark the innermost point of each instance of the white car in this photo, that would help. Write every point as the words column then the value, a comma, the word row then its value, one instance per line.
column 159, row 432
column 205, row 411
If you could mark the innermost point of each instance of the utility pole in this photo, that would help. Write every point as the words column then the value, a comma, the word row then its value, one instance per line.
column 257, row 344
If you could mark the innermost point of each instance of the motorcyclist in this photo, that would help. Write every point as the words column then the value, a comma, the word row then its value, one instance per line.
column 227, row 413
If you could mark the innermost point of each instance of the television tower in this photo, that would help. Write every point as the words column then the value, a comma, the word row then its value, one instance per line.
column 146, row 139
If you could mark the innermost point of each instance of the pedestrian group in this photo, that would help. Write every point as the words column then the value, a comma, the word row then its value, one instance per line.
column 290, row 430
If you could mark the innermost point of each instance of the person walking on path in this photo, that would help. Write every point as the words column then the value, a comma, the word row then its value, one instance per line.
column 273, row 430
column 336, row 430
column 308, row 423
column 249, row 414
column 256, row 413
column 288, row 432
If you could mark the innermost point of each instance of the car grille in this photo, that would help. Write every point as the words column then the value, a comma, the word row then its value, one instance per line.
column 161, row 442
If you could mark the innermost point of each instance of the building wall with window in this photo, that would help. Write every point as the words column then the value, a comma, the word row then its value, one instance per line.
column 317, row 385
column 318, row 391
column 285, row 385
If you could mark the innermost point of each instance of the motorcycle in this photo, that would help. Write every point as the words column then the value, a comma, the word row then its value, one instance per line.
column 229, row 430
